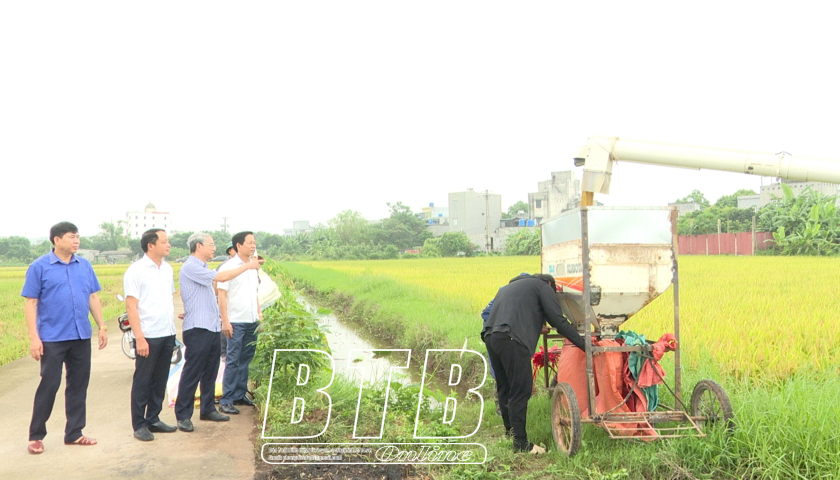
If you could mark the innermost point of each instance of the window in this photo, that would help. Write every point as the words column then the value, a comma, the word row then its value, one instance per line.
column 455, row 221
column 537, row 203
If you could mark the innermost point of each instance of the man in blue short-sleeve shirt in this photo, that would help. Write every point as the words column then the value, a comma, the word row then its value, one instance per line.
column 61, row 291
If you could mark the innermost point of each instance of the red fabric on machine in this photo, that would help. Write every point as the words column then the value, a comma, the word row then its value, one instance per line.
column 652, row 373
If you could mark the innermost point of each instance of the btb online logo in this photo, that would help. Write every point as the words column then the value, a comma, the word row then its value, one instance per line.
column 438, row 449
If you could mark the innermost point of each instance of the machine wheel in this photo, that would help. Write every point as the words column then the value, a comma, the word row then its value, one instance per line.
column 711, row 401
column 128, row 345
column 565, row 419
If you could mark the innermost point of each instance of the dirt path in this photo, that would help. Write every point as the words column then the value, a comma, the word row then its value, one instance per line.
column 213, row 450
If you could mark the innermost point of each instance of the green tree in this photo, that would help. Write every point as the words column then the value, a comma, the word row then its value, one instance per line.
column 732, row 200
column 514, row 210
column 453, row 244
column 524, row 242
column 695, row 196
column 403, row 228
column 350, row 228
column 431, row 248
column 16, row 249
column 112, row 235
column 805, row 225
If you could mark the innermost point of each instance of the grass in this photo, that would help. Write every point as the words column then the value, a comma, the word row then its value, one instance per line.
column 760, row 326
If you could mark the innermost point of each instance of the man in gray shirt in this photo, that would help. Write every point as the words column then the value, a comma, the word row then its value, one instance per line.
column 202, row 324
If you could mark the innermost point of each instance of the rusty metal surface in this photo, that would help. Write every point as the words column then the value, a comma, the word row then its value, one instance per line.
column 587, row 312
column 644, row 425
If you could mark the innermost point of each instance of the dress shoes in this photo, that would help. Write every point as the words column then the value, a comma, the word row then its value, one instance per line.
column 160, row 427
column 229, row 409
column 215, row 417
column 143, row 434
column 185, row 425
column 244, row 401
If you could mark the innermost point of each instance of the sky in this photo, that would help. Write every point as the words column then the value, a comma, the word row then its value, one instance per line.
column 271, row 112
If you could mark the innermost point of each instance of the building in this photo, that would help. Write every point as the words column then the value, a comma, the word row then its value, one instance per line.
column 139, row 222
column 554, row 196
column 685, row 207
column 433, row 215
column 768, row 192
column 298, row 226
column 749, row 201
column 478, row 215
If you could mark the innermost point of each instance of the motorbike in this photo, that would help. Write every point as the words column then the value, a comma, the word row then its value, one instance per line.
column 128, row 341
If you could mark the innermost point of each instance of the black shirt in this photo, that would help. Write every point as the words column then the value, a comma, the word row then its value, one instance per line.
column 522, row 306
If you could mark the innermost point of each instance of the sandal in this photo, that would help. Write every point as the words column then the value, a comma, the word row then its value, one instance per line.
column 35, row 447
column 83, row 440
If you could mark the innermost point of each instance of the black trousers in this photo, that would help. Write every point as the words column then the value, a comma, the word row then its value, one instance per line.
column 149, row 386
column 514, row 381
column 201, row 366
column 75, row 355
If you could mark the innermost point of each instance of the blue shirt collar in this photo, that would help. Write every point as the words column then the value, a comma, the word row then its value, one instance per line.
column 54, row 258
column 193, row 258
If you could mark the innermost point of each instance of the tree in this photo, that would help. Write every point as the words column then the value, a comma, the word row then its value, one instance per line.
column 695, row 196
column 453, row 244
column 402, row 228
column 732, row 200
column 515, row 210
column 805, row 225
column 16, row 250
column 112, row 235
column 350, row 227
column 524, row 242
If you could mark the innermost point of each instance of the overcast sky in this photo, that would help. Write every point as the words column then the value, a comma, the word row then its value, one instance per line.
column 270, row 112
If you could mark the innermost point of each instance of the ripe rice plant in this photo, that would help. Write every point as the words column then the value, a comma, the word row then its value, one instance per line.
column 761, row 326
column 757, row 317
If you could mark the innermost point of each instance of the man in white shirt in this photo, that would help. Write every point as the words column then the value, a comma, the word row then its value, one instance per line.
column 149, row 284
column 240, row 310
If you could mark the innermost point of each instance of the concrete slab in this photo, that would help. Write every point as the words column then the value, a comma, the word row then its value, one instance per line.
column 213, row 450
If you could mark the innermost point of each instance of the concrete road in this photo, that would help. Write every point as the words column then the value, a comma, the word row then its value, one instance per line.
column 213, row 450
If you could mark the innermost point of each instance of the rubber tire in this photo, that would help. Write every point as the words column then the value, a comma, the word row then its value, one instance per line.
column 126, row 345
column 564, row 404
column 704, row 391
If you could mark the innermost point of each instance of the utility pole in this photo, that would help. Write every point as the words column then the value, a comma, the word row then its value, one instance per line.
column 224, row 224
column 487, row 219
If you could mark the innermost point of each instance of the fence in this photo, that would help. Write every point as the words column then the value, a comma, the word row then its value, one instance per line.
column 725, row 243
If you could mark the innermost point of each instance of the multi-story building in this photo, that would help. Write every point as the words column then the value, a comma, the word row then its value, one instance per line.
column 139, row 222
column 554, row 196
column 775, row 189
column 298, row 226
column 433, row 215
column 478, row 215
column 686, row 207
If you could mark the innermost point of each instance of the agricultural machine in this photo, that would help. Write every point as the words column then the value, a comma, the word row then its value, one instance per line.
column 609, row 263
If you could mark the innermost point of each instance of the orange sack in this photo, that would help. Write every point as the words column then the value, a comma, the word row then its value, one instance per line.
column 610, row 387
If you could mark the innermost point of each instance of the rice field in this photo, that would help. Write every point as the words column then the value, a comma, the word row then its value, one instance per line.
column 763, row 327
column 748, row 317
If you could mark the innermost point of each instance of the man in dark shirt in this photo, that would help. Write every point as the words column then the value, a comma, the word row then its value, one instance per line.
column 511, row 333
